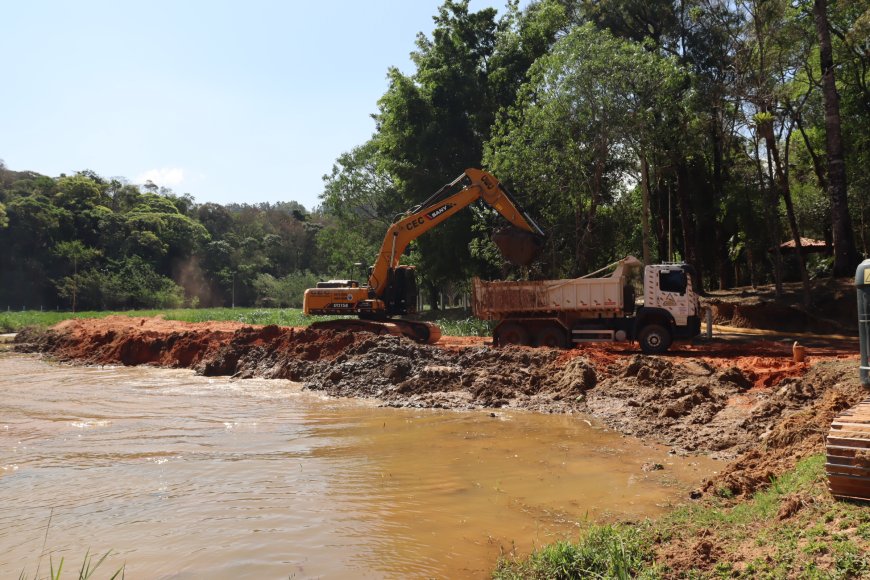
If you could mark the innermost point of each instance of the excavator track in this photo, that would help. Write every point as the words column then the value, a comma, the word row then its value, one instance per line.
column 422, row 332
column 848, row 449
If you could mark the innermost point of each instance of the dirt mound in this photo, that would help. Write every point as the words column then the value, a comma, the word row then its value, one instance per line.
column 803, row 410
column 683, row 404
column 833, row 310
column 770, row 315
column 406, row 374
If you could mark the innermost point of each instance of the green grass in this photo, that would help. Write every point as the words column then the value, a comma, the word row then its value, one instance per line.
column 823, row 539
column 465, row 327
column 602, row 552
column 453, row 323
column 15, row 321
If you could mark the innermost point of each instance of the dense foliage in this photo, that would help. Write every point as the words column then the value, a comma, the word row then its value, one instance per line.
column 705, row 130
column 83, row 242
column 698, row 130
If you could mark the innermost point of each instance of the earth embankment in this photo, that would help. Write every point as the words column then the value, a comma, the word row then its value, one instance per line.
column 743, row 401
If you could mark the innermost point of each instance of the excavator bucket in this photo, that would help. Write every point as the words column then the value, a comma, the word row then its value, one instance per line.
column 517, row 246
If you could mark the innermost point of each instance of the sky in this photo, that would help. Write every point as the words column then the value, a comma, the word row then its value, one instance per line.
column 242, row 102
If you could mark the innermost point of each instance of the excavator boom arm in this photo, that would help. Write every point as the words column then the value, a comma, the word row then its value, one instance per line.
column 480, row 185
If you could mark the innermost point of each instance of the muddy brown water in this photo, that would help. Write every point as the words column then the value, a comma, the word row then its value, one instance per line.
column 188, row 477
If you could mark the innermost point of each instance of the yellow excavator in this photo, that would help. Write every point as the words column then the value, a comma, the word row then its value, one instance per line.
column 392, row 288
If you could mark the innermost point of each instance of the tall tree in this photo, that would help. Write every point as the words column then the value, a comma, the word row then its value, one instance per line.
column 78, row 254
column 583, row 124
column 845, row 254
column 776, row 49
column 432, row 125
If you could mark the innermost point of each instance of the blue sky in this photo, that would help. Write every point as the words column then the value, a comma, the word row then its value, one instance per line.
column 228, row 101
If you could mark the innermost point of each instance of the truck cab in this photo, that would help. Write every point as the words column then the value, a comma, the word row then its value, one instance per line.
column 670, row 304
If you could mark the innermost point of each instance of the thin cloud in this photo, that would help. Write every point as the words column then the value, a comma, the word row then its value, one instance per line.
column 164, row 177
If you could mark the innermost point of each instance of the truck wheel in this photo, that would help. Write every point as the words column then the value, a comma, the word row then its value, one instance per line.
column 513, row 333
column 552, row 336
column 654, row 339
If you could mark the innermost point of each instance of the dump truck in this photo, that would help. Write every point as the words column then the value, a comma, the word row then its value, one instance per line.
column 560, row 313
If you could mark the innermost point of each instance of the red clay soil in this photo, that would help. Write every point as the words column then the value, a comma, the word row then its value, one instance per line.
column 746, row 400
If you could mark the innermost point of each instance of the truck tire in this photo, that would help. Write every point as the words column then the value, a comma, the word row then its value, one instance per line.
column 513, row 333
column 552, row 336
column 654, row 339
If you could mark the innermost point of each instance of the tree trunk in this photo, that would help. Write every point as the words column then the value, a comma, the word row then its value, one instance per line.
column 662, row 199
column 644, row 178
column 817, row 163
column 785, row 191
column 75, row 282
column 721, row 254
column 687, row 219
column 433, row 295
column 845, row 254
column 771, row 216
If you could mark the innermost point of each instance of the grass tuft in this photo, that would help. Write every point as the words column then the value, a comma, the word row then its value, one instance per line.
column 602, row 552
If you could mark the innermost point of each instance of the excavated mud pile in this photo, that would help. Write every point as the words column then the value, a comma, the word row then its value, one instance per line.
column 405, row 374
column 800, row 412
column 685, row 404
column 704, row 399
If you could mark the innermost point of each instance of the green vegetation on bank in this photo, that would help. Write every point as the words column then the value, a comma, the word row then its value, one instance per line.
column 792, row 529
column 15, row 321
column 454, row 322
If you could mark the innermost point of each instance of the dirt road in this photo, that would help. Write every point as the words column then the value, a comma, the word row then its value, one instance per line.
column 743, row 399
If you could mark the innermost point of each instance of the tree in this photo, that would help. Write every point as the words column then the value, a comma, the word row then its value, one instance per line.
column 77, row 193
column 78, row 253
column 162, row 234
column 776, row 48
column 588, row 116
column 845, row 254
column 361, row 195
column 433, row 124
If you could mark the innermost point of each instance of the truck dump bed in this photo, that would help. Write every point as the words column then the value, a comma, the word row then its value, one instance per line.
column 592, row 296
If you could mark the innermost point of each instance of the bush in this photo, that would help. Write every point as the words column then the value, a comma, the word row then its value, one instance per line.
column 286, row 292
column 131, row 284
